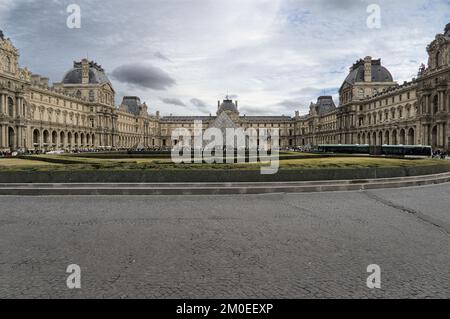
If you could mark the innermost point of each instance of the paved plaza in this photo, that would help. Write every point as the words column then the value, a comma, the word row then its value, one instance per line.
column 259, row 246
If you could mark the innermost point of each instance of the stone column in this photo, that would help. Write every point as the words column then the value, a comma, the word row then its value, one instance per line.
column 5, row 136
column 438, row 134
column 18, row 136
column 17, row 108
column 2, row 136
column 425, row 135
column 58, row 139
column 5, row 103
column 447, row 107
column 2, row 104
column 41, row 138
column 22, row 107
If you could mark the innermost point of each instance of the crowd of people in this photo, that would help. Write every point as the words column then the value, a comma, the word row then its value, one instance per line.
column 438, row 154
column 21, row 152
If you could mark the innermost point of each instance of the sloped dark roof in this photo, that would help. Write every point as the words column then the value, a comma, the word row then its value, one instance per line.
column 132, row 104
column 379, row 73
column 96, row 74
column 228, row 105
column 325, row 104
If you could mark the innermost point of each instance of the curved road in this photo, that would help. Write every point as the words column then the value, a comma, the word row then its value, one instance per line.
column 268, row 246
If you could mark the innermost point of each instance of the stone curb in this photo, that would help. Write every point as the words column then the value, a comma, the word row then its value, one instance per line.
column 218, row 188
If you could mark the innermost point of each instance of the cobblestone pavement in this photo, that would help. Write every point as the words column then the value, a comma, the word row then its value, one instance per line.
column 269, row 246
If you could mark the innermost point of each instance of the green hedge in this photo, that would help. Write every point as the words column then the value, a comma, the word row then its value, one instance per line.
column 173, row 176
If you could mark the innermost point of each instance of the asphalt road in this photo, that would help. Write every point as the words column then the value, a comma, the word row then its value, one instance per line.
column 270, row 246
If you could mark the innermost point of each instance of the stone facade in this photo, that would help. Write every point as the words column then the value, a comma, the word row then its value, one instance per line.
column 80, row 112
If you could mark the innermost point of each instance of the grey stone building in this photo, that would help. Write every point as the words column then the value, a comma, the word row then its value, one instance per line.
column 80, row 112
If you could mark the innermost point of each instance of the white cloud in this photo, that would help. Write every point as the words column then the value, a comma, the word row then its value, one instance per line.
column 265, row 51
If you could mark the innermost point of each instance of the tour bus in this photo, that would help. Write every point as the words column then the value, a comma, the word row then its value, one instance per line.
column 388, row 150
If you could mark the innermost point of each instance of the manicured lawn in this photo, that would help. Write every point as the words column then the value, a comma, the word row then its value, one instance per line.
column 17, row 162
column 357, row 162
column 82, row 163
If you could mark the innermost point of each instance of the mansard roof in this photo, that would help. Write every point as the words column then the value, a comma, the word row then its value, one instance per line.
column 132, row 104
column 325, row 104
column 228, row 105
column 379, row 73
column 97, row 74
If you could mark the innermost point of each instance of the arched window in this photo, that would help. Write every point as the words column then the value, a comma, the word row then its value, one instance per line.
column 10, row 107
column 438, row 59
column 36, row 137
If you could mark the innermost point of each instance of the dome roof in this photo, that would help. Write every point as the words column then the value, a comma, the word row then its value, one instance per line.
column 228, row 106
column 325, row 104
column 379, row 73
column 96, row 74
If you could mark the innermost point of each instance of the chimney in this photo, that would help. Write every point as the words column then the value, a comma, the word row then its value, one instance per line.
column 236, row 104
column 85, row 71
column 368, row 69
column 218, row 104
column 157, row 114
column 297, row 114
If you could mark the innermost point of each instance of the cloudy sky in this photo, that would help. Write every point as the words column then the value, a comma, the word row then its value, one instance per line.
column 181, row 56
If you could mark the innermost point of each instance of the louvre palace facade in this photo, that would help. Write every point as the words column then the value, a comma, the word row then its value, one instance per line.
column 80, row 111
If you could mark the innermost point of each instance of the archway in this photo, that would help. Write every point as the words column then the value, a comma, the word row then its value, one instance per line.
column 380, row 138
column 46, row 137
column 55, row 138
column 82, row 139
column 434, row 136
column 62, row 139
column 411, row 137
column 402, row 137
column 36, row 137
column 386, row 138
column 76, row 139
column 394, row 137
column 69, row 139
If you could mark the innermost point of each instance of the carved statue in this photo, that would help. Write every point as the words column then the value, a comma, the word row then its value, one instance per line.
column 421, row 70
